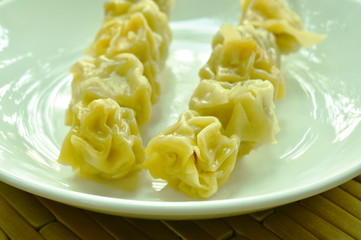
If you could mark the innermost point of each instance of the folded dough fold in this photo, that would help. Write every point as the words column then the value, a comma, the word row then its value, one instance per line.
column 120, row 79
column 132, row 35
column 103, row 141
column 193, row 155
column 245, row 109
column 237, row 57
column 276, row 17
column 263, row 38
column 120, row 10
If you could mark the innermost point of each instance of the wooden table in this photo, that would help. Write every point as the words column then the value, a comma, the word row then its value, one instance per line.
column 335, row 214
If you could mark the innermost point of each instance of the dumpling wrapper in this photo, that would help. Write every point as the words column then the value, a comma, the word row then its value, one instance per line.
column 237, row 57
column 133, row 36
column 156, row 19
column 245, row 109
column 104, row 141
column 193, row 155
column 276, row 17
column 264, row 39
column 120, row 79
column 118, row 6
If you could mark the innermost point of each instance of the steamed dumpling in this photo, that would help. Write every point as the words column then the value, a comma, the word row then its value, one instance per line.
column 245, row 109
column 134, row 36
column 276, row 17
column 120, row 79
column 156, row 19
column 264, row 39
column 237, row 56
column 103, row 141
column 193, row 155
column 116, row 7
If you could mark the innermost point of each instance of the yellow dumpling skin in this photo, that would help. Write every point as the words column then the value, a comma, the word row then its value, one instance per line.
column 155, row 18
column 103, row 141
column 245, row 109
column 120, row 79
column 122, row 6
column 237, row 57
column 133, row 36
column 276, row 17
column 263, row 38
column 193, row 155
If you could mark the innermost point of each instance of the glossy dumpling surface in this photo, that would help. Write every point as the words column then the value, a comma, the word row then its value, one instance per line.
column 118, row 10
column 133, row 36
column 103, row 141
column 264, row 39
column 193, row 155
column 120, row 79
column 237, row 56
column 245, row 109
column 276, row 17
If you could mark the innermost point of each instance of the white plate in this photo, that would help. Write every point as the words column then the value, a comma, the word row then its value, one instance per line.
column 319, row 145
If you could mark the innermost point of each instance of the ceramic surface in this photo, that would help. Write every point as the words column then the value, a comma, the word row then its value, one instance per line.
column 318, row 146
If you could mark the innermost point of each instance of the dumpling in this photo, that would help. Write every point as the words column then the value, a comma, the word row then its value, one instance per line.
column 276, row 17
column 237, row 56
column 120, row 79
column 103, row 141
column 116, row 7
column 245, row 109
column 134, row 36
column 264, row 39
column 193, row 155
column 157, row 20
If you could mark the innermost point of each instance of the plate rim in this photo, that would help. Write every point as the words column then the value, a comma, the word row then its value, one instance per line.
column 193, row 209
column 180, row 210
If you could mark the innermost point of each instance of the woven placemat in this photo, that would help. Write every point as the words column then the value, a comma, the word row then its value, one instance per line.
column 335, row 214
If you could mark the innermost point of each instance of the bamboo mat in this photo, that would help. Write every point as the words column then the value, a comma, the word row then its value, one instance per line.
column 335, row 214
